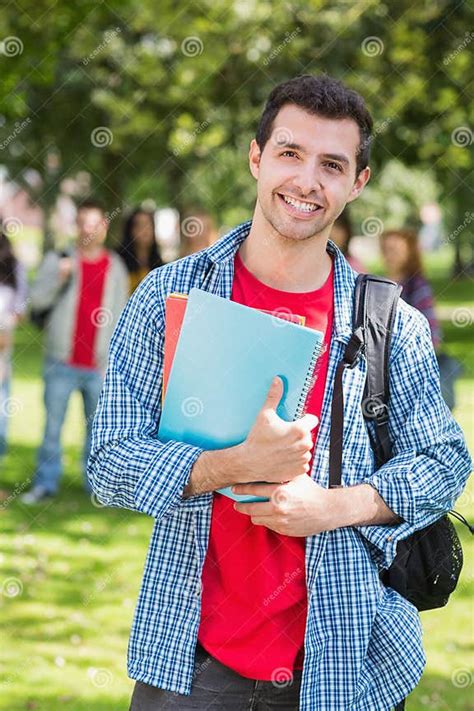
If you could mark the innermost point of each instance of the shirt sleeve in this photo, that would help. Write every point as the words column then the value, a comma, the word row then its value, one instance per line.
column 430, row 463
column 128, row 466
column 21, row 291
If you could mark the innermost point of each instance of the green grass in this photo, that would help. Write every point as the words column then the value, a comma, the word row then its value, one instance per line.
column 79, row 566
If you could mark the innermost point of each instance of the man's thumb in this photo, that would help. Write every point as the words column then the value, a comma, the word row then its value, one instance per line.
column 274, row 393
column 310, row 421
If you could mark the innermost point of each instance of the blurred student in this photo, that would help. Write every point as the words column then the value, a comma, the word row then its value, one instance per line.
column 139, row 249
column 13, row 299
column 401, row 255
column 341, row 235
column 198, row 231
column 85, row 292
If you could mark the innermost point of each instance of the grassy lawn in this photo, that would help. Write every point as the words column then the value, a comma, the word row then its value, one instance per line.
column 70, row 571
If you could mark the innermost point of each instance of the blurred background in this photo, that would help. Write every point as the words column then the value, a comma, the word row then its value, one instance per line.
column 150, row 108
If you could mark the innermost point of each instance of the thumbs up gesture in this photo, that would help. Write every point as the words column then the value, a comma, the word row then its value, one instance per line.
column 276, row 450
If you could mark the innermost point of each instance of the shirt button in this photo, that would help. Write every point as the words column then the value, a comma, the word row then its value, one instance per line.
column 389, row 538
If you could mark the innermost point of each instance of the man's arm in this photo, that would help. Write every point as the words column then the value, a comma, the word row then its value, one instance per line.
column 214, row 470
column 47, row 283
column 129, row 467
column 360, row 505
column 430, row 463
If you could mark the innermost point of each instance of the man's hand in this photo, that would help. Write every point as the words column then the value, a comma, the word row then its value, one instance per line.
column 299, row 508
column 276, row 450
column 304, row 508
column 64, row 269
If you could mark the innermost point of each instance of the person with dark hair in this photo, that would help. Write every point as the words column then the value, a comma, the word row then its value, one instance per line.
column 401, row 255
column 341, row 235
column 279, row 603
column 139, row 249
column 13, row 302
column 83, row 292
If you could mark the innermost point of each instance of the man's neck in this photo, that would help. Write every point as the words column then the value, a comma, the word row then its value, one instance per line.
column 90, row 253
column 281, row 263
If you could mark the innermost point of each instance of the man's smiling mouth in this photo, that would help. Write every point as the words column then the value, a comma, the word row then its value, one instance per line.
column 302, row 206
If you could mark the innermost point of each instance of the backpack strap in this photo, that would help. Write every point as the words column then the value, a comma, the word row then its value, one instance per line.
column 375, row 303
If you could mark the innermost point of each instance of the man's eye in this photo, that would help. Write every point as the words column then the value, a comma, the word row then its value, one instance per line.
column 335, row 165
column 285, row 153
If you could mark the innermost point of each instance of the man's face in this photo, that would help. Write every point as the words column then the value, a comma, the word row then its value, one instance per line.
column 91, row 226
column 310, row 160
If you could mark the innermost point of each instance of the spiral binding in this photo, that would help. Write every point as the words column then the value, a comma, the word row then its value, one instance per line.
column 309, row 381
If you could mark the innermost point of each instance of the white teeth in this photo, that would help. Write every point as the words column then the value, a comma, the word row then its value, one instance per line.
column 303, row 206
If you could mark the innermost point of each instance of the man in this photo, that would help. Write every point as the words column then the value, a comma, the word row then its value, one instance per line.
column 86, row 291
column 279, row 604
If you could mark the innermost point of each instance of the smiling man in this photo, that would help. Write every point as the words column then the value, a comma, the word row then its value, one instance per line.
column 279, row 604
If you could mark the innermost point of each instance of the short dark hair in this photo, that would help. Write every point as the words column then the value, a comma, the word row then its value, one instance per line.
column 91, row 204
column 323, row 96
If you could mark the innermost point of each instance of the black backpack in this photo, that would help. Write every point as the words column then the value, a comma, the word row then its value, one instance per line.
column 39, row 317
column 428, row 563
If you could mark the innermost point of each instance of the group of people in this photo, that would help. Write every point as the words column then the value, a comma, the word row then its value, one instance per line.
column 80, row 293
column 76, row 297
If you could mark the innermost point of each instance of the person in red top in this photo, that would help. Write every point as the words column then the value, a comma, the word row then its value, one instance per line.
column 253, row 581
column 84, row 292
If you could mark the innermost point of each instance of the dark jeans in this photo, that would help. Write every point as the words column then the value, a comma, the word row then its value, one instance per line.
column 217, row 687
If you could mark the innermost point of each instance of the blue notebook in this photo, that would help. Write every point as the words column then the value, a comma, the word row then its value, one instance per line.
column 226, row 357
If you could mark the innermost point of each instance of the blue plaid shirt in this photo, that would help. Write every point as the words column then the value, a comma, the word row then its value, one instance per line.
column 363, row 641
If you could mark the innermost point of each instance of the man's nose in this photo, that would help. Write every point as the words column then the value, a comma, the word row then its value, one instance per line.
column 309, row 181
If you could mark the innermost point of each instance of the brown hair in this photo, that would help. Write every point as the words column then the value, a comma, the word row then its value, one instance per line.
column 413, row 264
column 321, row 96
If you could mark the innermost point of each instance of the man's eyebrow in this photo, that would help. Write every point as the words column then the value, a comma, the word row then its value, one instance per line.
column 291, row 146
column 337, row 156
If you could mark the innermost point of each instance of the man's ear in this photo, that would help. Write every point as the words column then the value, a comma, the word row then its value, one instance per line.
column 254, row 158
column 359, row 184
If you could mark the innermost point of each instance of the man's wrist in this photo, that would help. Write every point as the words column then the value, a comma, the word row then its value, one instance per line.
column 359, row 505
column 214, row 469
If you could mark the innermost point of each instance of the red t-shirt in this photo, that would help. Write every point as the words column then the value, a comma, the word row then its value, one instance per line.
column 89, row 314
column 254, row 599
